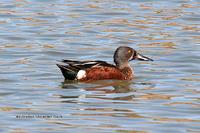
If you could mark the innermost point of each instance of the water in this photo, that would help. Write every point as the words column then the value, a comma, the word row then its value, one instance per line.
column 164, row 96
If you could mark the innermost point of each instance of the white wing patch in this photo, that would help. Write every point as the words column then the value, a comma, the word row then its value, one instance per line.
column 81, row 74
column 88, row 63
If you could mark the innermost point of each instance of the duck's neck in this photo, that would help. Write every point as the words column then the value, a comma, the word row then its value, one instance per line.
column 122, row 65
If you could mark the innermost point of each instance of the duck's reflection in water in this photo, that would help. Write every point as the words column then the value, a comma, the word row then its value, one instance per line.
column 101, row 98
column 104, row 89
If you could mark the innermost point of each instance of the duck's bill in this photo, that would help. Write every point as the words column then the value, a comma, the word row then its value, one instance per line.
column 143, row 58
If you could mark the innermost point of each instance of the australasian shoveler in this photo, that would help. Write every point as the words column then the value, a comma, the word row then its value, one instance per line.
column 101, row 70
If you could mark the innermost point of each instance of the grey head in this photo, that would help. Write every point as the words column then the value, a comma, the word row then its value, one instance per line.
column 124, row 54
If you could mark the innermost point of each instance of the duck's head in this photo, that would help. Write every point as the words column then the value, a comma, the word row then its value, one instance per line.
column 125, row 54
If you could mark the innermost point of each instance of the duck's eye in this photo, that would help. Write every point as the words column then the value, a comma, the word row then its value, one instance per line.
column 129, row 51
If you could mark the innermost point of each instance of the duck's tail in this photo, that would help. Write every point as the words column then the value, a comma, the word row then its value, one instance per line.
column 68, row 72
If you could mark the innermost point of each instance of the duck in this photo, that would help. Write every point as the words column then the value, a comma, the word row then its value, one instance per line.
column 91, row 70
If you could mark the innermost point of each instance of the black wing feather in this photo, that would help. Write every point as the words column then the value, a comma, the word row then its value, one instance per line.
column 86, row 64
